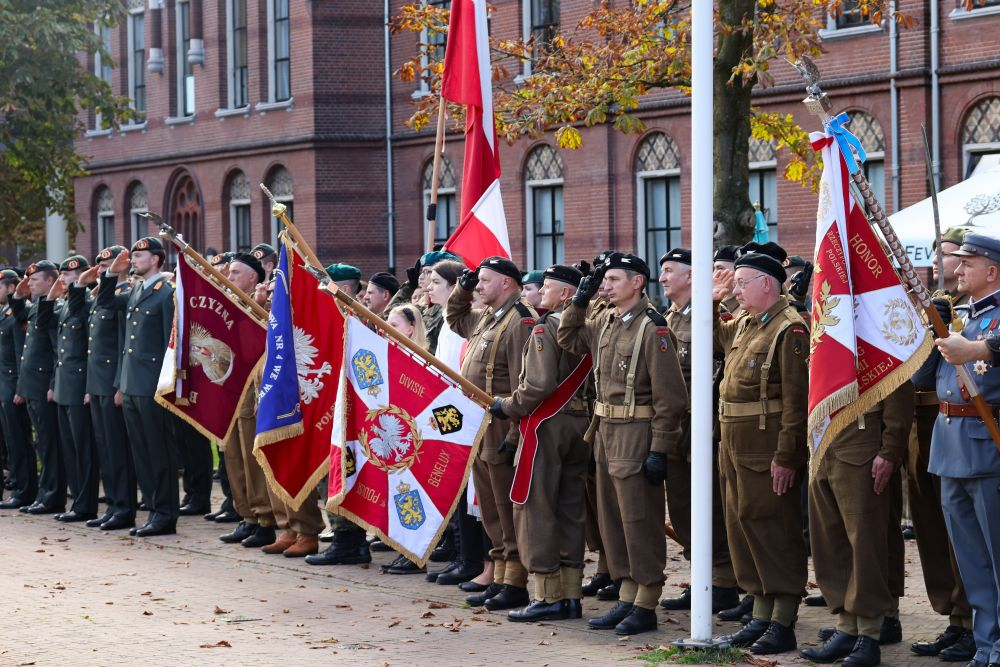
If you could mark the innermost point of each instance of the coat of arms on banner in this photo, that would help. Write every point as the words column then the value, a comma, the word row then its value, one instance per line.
column 305, row 358
column 446, row 419
column 409, row 507
column 367, row 372
column 390, row 438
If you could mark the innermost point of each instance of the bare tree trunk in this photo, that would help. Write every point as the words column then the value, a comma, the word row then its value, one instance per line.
column 734, row 219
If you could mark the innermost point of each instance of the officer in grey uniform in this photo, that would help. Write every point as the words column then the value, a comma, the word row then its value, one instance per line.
column 962, row 451
column 36, row 384
column 106, row 333
column 78, row 449
column 149, row 317
column 14, row 418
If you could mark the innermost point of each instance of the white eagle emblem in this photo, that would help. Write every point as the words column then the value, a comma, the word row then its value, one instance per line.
column 310, row 379
column 388, row 439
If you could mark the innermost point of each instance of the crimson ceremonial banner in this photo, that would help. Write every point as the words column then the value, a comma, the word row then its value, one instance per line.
column 214, row 349
column 867, row 337
column 299, row 383
column 403, row 443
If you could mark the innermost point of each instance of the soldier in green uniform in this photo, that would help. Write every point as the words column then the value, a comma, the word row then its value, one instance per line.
column 267, row 256
column 149, row 317
column 13, row 417
column 36, row 382
column 531, row 288
column 496, row 334
column 675, row 277
column 549, row 525
column 636, row 374
column 106, row 334
column 79, row 453
column 762, row 414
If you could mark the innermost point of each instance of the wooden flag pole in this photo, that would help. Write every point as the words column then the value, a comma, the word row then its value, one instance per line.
column 314, row 267
column 436, row 176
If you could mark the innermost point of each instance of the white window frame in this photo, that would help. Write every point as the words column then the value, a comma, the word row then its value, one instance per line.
column 181, row 63
column 769, row 165
column 529, row 216
column 138, row 224
column 831, row 31
column 98, row 130
column 102, row 217
column 446, row 192
column 233, row 205
column 133, row 66
column 960, row 13
column 968, row 150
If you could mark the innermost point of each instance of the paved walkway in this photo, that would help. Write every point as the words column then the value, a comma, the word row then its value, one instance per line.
column 73, row 595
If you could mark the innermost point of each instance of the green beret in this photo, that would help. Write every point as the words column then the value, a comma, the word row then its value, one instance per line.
column 343, row 272
column 75, row 263
column 9, row 274
column 263, row 250
column 108, row 253
column 954, row 235
column 432, row 258
column 533, row 278
column 41, row 265
column 149, row 243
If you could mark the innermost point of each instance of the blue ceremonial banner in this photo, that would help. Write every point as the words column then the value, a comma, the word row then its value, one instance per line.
column 279, row 414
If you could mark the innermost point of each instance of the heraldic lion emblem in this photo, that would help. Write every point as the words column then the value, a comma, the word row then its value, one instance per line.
column 214, row 356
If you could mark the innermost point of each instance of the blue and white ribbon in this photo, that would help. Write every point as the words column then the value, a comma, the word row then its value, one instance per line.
column 846, row 141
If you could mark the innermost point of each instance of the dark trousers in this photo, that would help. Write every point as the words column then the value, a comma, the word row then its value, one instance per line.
column 79, row 456
column 473, row 542
column 20, row 452
column 148, row 427
column 195, row 453
column 227, row 491
column 114, row 456
column 52, row 481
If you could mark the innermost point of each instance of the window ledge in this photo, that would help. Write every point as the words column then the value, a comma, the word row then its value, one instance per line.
column 419, row 94
column 226, row 113
column 133, row 127
column 264, row 107
column 844, row 33
column 959, row 13
column 179, row 120
column 91, row 134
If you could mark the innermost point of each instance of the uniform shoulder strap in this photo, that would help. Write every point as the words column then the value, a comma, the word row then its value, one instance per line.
column 523, row 310
column 765, row 368
column 504, row 323
column 657, row 318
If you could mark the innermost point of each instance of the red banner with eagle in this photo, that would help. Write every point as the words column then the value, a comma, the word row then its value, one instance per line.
column 867, row 337
column 214, row 348
column 403, row 443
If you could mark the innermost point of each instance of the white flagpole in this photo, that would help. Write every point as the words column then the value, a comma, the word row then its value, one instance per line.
column 702, row 221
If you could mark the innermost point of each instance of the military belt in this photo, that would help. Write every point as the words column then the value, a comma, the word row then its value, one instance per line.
column 964, row 409
column 640, row 412
column 758, row 408
column 926, row 398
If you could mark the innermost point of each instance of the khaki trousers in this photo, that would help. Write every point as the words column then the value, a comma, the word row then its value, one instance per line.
column 246, row 478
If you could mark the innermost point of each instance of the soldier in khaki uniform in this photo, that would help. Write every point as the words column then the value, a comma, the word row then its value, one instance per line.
column 496, row 335
column 675, row 277
column 640, row 407
column 550, row 524
column 762, row 414
column 850, row 512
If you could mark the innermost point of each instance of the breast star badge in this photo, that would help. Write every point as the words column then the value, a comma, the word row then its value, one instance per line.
column 980, row 367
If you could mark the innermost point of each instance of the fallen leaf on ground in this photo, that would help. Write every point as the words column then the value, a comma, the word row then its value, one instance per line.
column 220, row 610
column 219, row 644
column 147, row 613
column 427, row 614
column 436, row 605
column 394, row 624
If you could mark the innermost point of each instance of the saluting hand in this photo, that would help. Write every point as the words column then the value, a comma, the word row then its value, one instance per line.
column 120, row 263
column 782, row 478
column 22, row 289
column 882, row 470
column 57, row 290
column 722, row 284
column 89, row 276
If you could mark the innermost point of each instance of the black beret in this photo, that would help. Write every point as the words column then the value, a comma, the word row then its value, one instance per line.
column 386, row 281
column 600, row 259
column 795, row 262
column 564, row 274
column 679, row 255
column 765, row 263
column 251, row 261
column 222, row 258
column 150, row 243
column 503, row 266
column 770, row 248
column 621, row 260
column 42, row 265
column 726, row 253
column 75, row 263
column 109, row 253
column 262, row 250
column 9, row 274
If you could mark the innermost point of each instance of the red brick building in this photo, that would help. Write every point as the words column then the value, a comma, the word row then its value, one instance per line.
column 327, row 140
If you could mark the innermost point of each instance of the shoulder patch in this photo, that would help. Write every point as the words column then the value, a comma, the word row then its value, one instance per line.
column 539, row 329
column 656, row 317
column 528, row 321
column 157, row 286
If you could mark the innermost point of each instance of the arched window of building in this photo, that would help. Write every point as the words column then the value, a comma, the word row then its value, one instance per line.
column 658, row 184
column 138, row 203
column 280, row 185
column 543, row 181
column 185, row 213
column 981, row 133
column 869, row 131
column 447, row 215
column 763, row 182
column 104, row 217
column 240, row 229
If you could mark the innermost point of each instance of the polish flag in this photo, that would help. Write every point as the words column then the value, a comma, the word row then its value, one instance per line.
column 467, row 79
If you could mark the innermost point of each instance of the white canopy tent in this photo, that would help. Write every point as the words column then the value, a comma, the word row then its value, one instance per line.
column 973, row 203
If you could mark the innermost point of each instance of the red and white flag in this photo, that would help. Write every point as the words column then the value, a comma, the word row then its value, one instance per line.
column 867, row 337
column 467, row 79
column 402, row 445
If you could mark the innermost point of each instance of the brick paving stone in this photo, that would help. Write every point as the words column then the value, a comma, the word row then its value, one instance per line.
column 77, row 596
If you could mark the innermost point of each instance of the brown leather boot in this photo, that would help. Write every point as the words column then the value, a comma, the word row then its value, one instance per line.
column 305, row 545
column 279, row 545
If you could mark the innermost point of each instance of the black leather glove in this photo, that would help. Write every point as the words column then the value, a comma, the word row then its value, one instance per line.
column 799, row 285
column 413, row 274
column 496, row 410
column 468, row 280
column 586, row 291
column 655, row 468
column 584, row 267
column 509, row 448
column 943, row 306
